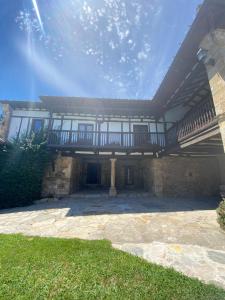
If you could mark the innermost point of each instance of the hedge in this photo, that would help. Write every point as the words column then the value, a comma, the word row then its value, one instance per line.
column 22, row 166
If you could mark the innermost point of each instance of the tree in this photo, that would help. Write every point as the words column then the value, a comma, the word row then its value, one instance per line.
column 22, row 166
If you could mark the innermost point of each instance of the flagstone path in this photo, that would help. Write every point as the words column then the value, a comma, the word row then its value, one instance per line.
column 178, row 233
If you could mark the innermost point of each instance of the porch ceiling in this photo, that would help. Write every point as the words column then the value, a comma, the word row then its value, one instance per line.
column 206, row 144
column 192, row 90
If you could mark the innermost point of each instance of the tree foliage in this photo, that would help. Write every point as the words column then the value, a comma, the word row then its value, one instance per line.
column 22, row 166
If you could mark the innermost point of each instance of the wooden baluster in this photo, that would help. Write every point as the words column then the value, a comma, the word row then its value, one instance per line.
column 208, row 119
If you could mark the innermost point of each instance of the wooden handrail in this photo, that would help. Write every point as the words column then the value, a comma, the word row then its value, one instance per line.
column 104, row 139
column 194, row 121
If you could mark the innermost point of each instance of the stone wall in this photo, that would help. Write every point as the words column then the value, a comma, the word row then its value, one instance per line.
column 221, row 160
column 214, row 43
column 184, row 177
column 168, row 176
column 58, row 177
column 76, row 174
column 4, row 125
column 138, row 171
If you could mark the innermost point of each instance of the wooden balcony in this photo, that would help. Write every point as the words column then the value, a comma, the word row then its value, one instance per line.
column 106, row 140
column 197, row 121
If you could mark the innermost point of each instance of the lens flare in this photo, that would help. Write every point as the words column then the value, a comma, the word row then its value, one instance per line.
column 38, row 14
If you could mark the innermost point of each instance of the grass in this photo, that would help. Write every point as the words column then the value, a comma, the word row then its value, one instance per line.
column 48, row 268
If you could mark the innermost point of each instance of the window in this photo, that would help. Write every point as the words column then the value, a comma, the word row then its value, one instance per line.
column 37, row 125
column 85, row 127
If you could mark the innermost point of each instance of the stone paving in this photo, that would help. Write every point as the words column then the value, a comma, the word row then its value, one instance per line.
column 178, row 233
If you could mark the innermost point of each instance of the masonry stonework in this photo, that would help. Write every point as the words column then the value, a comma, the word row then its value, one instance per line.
column 58, row 177
column 187, row 177
column 138, row 173
column 214, row 43
column 221, row 160
column 164, row 177
column 4, row 125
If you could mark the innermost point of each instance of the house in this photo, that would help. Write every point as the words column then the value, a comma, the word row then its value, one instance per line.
column 173, row 145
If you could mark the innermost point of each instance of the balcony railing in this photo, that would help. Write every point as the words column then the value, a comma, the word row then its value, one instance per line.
column 197, row 120
column 105, row 140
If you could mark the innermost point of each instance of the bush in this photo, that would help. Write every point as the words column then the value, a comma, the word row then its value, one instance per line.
column 221, row 214
column 22, row 166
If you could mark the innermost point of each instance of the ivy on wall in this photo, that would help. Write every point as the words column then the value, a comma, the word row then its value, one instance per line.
column 22, row 166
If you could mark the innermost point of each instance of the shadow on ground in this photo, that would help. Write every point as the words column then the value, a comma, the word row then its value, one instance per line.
column 101, row 205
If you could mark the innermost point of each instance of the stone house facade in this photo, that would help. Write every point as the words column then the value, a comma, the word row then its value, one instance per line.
column 173, row 145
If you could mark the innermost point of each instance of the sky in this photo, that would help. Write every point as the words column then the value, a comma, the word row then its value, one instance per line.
column 91, row 48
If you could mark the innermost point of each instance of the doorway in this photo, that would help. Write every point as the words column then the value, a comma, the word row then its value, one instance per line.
column 140, row 135
column 85, row 134
column 94, row 173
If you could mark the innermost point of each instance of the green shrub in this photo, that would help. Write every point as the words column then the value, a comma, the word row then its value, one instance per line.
column 22, row 166
column 221, row 214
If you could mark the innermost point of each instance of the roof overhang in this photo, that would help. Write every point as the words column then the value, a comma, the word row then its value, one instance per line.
column 24, row 104
column 210, row 17
column 98, row 106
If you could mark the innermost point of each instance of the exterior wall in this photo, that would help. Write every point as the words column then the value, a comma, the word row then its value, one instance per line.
column 113, row 124
column 21, row 122
column 58, row 177
column 214, row 43
column 165, row 177
column 75, row 175
column 5, row 123
column 221, row 160
column 184, row 177
column 138, row 169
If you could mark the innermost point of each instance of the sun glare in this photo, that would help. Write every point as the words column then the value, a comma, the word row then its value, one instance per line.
column 38, row 14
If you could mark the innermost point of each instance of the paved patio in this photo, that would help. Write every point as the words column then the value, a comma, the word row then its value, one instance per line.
column 179, row 233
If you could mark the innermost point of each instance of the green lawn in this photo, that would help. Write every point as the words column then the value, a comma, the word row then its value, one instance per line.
column 48, row 268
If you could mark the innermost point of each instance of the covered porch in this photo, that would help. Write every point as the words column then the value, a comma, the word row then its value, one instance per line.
column 95, row 174
column 115, row 174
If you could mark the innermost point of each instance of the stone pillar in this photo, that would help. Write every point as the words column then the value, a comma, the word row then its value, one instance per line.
column 214, row 43
column 112, row 190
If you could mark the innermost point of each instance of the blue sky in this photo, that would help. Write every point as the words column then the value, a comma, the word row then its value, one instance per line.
column 92, row 48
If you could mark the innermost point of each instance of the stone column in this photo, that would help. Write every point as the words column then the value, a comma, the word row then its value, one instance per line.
column 214, row 43
column 112, row 190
